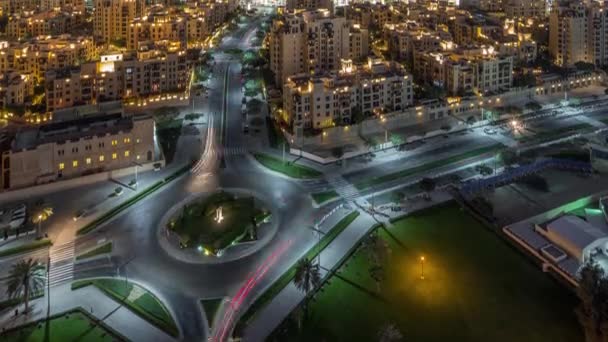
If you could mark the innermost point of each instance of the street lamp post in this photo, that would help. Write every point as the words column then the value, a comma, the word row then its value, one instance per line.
column 422, row 267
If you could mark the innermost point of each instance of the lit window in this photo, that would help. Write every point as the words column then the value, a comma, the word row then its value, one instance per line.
column 114, row 142
column 61, row 166
column 101, row 158
column 127, row 140
column 137, row 141
column 138, row 156
column 114, row 156
column 75, row 163
column 88, row 161
column 126, row 153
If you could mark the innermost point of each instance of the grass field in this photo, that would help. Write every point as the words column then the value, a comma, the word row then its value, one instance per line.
column 476, row 288
column 135, row 298
column 554, row 134
column 103, row 249
column 320, row 197
column 71, row 326
column 288, row 168
column 367, row 183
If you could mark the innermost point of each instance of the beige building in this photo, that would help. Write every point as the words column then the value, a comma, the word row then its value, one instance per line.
column 118, row 77
column 313, row 42
column 112, row 18
column 71, row 149
column 311, row 5
column 525, row 8
column 45, row 53
column 28, row 24
column 568, row 34
column 15, row 89
column 160, row 28
column 337, row 98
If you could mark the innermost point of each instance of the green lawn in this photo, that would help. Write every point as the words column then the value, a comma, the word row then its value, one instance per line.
column 324, row 196
column 196, row 225
column 26, row 247
column 210, row 306
column 287, row 277
column 137, row 299
column 288, row 168
column 553, row 134
column 103, row 249
column 70, row 326
column 476, row 288
column 367, row 183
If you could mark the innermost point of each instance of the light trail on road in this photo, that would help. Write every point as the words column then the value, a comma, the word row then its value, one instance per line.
column 244, row 291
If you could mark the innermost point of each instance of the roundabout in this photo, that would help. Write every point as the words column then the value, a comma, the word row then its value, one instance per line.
column 217, row 227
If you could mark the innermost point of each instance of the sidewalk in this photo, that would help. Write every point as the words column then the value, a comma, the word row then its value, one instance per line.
column 92, row 300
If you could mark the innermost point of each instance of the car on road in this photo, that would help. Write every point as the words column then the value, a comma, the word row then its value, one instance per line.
column 118, row 191
column 489, row 131
column 79, row 214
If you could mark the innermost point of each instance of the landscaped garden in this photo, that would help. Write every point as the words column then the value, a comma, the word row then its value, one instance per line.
column 135, row 298
column 197, row 224
column 476, row 287
column 287, row 168
column 70, row 326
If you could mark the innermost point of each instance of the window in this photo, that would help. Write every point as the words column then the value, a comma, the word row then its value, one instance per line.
column 75, row 163
column 61, row 166
column 126, row 153
column 137, row 141
column 88, row 161
column 114, row 156
column 138, row 156
column 114, row 142
column 101, row 158
column 127, row 140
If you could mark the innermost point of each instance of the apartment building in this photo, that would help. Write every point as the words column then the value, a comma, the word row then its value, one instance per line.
column 112, row 18
column 525, row 8
column 465, row 70
column 337, row 97
column 45, row 53
column 118, row 77
column 29, row 24
column 568, row 34
column 313, row 42
column 311, row 5
column 15, row 89
column 69, row 149
column 160, row 28
column 403, row 39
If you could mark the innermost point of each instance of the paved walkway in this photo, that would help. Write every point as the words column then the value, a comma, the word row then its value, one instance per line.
column 95, row 302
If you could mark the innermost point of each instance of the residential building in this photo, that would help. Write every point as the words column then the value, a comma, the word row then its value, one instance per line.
column 160, row 28
column 29, row 24
column 69, row 149
column 338, row 97
column 568, row 34
column 313, row 42
column 310, row 5
column 112, row 18
column 525, row 8
column 118, row 77
column 15, row 89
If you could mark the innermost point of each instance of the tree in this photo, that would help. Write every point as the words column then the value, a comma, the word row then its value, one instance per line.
column 389, row 333
column 376, row 272
column 427, row 184
column 25, row 277
column 592, row 311
column 376, row 248
column 507, row 157
column 307, row 277
column 40, row 214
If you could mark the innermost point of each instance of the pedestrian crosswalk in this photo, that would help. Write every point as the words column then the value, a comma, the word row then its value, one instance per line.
column 343, row 188
column 61, row 268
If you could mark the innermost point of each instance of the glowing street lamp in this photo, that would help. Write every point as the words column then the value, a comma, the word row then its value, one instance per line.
column 219, row 216
column 422, row 267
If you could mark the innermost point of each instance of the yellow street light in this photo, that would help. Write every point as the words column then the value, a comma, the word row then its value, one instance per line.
column 422, row 267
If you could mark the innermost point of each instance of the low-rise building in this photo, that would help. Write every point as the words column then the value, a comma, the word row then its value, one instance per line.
column 75, row 148
column 337, row 98
column 15, row 89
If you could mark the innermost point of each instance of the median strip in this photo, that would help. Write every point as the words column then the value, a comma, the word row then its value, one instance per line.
column 287, row 277
column 289, row 169
column 325, row 196
column 368, row 183
column 26, row 248
column 131, row 201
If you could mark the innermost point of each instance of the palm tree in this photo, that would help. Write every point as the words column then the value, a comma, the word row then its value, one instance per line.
column 593, row 308
column 307, row 277
column 25, row 277
column 40, row 214
column 389, row 333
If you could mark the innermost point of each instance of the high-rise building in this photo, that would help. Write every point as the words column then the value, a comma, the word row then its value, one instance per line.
column 568, row 34
column 312, row 42
column 112, row 18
